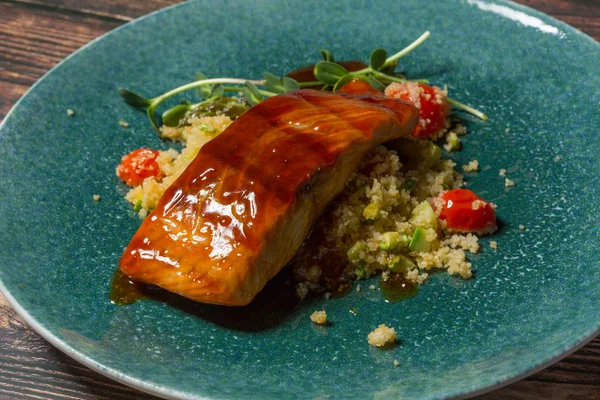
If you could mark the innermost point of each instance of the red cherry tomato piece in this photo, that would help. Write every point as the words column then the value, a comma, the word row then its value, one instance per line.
column 137, row 166
column 463, row 211
column 358, row 86
column 430, row 100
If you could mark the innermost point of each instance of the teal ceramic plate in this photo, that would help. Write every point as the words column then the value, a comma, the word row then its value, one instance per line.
column 532, row 300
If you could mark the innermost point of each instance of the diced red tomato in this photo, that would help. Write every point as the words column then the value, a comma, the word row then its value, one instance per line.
column 358, row 86
column 137, row 166
column 463, row 211
column 430, row 100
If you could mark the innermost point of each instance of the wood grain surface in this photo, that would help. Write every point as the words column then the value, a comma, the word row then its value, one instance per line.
column 32, row 40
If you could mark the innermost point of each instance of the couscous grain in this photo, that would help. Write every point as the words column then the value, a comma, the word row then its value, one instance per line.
column 381, row 336
column 472, row 166
column 319, row 317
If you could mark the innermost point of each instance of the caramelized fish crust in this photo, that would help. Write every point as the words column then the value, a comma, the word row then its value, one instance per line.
column 245, row 204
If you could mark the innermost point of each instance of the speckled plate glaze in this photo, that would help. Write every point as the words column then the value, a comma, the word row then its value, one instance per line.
column 532, row 301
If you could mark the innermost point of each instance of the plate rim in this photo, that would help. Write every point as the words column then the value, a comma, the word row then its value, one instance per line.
column 173, row 393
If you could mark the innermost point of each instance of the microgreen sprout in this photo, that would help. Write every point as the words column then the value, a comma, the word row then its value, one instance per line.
column 468, row 109
column 150, row 105
column 328, row 74
column 379, row 72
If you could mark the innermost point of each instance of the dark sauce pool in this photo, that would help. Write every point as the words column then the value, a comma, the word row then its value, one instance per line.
column 124, row 291
column 274, row 304
column 396, row 288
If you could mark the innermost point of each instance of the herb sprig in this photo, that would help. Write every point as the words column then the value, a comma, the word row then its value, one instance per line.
column 329, row 75
column 379, row 73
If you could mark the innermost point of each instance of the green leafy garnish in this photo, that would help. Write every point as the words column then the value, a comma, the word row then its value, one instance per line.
column 289, row 84
column 327, row 56
column 375, row 83
column 280, row 85
column 377, row 59
column 273, row 83
column 328, row 73
column 252, row 94
column 173, row 116
column 342, row 81
column 230, row 106
column 205, row 90
column 134, row 99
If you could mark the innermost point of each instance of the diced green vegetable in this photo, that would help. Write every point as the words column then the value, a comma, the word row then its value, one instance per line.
column 393, row 240
column 404, row 240
column 355, row 252
column 423, row 216
column 371, row 211
column 138, row 206
column 431, row 154
column 452, row 142
column 408, row 184
column 389, row 241
column 401, row 263
column 207, row 128
column 360, row 272
column 419, row 241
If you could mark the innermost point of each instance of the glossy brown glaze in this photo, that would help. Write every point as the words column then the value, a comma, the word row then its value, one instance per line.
column 242, row 208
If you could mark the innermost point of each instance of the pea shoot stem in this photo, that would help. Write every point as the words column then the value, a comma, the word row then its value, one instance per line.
column 310, row 84
column 265, row 93
column 391, row 78
column 468, row 109
column 215, row 81
column 392, row 59
column 407, row 49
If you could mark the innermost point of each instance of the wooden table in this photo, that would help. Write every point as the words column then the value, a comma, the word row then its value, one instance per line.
column 33, row 37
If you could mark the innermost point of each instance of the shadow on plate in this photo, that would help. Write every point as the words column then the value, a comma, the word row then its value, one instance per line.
column 273, row 305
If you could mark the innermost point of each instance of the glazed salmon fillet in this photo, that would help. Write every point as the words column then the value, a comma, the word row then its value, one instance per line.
column 245, row 204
